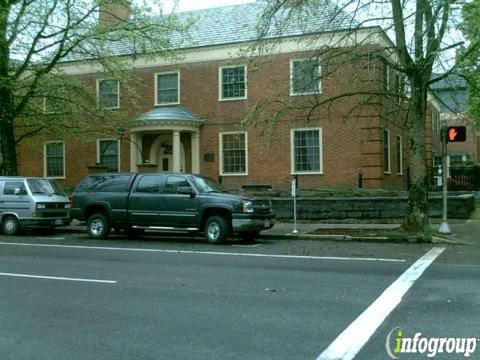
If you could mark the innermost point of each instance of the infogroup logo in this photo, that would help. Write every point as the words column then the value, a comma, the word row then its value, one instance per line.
column 397, row 343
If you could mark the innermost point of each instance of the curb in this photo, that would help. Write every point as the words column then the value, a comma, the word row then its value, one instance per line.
column 337, row 238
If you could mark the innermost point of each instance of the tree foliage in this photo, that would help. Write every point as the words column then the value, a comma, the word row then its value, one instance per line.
column 470, row 56
column 421, row 42
column 39, row 39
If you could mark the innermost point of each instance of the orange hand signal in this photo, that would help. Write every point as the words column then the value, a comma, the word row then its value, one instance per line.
column 452, row 134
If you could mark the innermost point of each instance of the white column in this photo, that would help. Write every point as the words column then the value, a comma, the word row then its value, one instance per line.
column 133, row 152
column 176, row 151
column 195, row 149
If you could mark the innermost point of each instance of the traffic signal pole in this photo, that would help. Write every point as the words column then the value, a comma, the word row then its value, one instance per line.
column 444, row 228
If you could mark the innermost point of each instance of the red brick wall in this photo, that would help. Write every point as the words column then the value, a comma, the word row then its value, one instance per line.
column 352, row 136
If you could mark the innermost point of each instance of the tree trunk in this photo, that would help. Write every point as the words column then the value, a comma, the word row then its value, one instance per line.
column 417, row 214
column 7, row 132
column 8, row 146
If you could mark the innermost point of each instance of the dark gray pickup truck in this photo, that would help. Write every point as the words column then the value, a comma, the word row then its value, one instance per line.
column 166, row 202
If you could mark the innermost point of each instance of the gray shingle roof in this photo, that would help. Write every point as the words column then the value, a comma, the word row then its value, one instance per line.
column 238, row 24
column 452, row 94
column 177, row 113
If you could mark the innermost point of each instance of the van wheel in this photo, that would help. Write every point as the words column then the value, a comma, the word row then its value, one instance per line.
column 216, row 230
column 10, row 225
column 98, row 226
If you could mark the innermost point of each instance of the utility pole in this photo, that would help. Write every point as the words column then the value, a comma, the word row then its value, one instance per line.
column 444, row 228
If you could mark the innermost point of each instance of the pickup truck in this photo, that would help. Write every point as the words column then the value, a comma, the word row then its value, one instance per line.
column 172, row 202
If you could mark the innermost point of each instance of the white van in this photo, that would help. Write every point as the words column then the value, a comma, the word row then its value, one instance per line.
column 31, row 202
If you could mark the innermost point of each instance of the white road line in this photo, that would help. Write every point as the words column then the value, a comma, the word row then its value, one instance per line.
column 205, row 252
column 57, row 278
column 347, row 345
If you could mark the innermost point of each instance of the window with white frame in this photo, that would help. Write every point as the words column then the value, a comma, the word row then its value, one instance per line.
column 107, row 154
column 306, row 149
column 399, row 155
column 386, row 151
column 53, row 101
column 233, row 153
column 167, row 88
column 305, row 77
column 108, row 92
column 55, row 159
column 386, row 78
column 233, row 82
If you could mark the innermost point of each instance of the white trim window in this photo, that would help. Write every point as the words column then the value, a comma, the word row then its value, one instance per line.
column 108, row 154
column 305, row 77
column 54, row 159
column 233, row 153
column 306, row 151
column 108, row 93
column 399, row 145
column 54, row 100
column 386, row 151
column 167, row 88
column 232, row 82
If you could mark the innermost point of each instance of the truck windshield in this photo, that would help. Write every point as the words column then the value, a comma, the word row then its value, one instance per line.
column 206, row 185
column 44, row 187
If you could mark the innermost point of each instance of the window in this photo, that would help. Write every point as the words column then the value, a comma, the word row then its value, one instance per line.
column 306, row 151
column 150, row 184
column 54, row 159
column 14, row 188
column 167, row 88
column 53, row 102
column 305, row 77
column 108, row 154
column 173, row 183
column 386, row 151
column 386, row 78
column 399, row 155
column 233, row 83
column 457, row 159
column 108, row 91
column 106, row 183
column 233, row 153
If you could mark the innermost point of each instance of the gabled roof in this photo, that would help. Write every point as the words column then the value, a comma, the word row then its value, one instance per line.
column 238, row 24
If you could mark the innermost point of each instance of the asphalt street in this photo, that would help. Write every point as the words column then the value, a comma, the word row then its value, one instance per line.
column 67, row 297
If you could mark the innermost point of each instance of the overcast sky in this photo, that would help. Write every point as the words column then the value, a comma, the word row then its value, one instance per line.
column 186, row 5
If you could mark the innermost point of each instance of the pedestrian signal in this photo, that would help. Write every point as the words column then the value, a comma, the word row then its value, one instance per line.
column 456, row 133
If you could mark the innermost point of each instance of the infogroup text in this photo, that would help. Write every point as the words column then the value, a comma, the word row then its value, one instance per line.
column 397, row 343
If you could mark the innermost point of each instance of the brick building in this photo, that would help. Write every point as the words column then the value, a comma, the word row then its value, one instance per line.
column 192, row 110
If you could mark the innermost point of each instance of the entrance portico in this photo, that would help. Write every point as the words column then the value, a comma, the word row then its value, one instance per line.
column 169, row 138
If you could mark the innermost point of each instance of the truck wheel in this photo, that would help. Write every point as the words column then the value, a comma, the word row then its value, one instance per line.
column 216, row 230
column 98, row 226
column 10, row 225
column 249, row 237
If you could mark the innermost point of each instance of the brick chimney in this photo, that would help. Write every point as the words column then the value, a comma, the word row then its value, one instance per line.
column 113, row 12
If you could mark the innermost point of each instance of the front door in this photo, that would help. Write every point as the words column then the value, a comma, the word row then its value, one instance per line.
column 164, row 154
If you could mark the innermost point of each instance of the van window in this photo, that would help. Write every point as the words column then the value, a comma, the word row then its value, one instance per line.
column 14, row 188
column 44, row 187
column 106, row 183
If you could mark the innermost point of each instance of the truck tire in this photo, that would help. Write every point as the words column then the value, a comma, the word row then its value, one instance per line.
column 98, row 226
column 10, row 225
column 216, row 229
